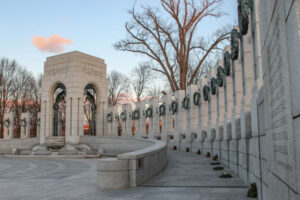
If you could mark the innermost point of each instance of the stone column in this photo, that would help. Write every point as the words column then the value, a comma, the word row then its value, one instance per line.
column 109, row 124
column 154, row 130
column 191, row 117
column 204, row 113
column 8, row 126
column 25, row 125
column 112, row 126
column 167, row 119
column 221, row 109
column 221, row 105
column 116, row 120
column 140, row 123
column 213, row 112
column 179, row 116
column 38, row 125
column 210, row 133
column 73, row 136
column 228, row 103
column 248, row 80
column 127, row 123
column 228, row 87
column 100, row 118
column 81, row 117
column 198, row 143
column 68, row 130
column 238, row 96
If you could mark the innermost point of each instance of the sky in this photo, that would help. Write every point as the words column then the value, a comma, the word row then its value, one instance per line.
column 32, row 30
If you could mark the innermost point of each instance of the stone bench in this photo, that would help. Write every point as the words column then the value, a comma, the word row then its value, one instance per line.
column 133, row 168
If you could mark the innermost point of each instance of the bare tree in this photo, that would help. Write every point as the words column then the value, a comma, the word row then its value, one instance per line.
column 141, row 79
column 155, row 91
column 18, row 91
column 7, row 73
column 22, row 95
column 168, row 38
column 118, row 83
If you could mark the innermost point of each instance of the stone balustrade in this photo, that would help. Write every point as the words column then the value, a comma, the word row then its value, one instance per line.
column 133, row 168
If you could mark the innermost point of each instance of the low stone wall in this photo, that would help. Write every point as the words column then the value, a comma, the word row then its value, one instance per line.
column 6, row 146
column 115, row 145
column 133, row 168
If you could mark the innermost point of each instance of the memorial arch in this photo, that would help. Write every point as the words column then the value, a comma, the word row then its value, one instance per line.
column 72, row 80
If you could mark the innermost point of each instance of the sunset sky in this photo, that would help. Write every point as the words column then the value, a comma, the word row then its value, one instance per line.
column 32, row 30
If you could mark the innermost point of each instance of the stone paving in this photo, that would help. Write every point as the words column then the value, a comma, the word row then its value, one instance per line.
column 187, row 177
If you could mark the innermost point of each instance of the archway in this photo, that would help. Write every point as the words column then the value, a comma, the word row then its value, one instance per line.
column 59, row 110
column 90, row 109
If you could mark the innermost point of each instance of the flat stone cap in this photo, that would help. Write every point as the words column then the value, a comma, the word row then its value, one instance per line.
column 112, row 164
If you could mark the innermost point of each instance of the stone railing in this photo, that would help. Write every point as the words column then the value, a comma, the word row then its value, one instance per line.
column 133, row 168
column 6, row 146
column 112, row 146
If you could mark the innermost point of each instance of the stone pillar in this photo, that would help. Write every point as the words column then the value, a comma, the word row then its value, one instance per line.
column 238, row 95
column 191, row 117
column 73, row 133
column 248, row 80
column 220, row 109
column 167, row 119
column 228, row 87
column 127, row 122
column 140, row 123
column 197, row 144
column 68, row 130
column 205, row 115
column 204, row 111
column 112, row 126
column 109, row 120
column 213, row 105
column 214, row 111
column 221, row 105
column 154, row 130
column 228, row 103
column 210, row 133
column 100, row 118
column 81, row 117
column 8, row 126
column 25, row 125
column 116, row 120
column 38, row 125
column 179, row 116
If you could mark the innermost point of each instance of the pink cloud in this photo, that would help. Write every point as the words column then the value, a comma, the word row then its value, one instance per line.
column 54, row 43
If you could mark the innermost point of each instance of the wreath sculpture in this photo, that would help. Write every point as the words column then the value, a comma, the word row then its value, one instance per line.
column 149, row 112
column 7, row 123
column 197, row 98
column 23, row 122
column 206, row 90
column 227, row 63
column 186, row 103
column 243, row 16
column 136, row 115
column 174, row 106
column 220, row 76
column 123, row 116
column 213, row 86
column 109, row 117
column 235, row 35
column 162, row 109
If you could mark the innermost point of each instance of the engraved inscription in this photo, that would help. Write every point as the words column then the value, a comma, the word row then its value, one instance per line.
column 90, row 71
column 53, row 72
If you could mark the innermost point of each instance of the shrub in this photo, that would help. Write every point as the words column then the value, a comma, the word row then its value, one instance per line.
column 252, row 192
column 218, row 168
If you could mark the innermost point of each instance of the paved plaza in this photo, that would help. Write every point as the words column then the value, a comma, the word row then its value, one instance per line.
column 188, row 176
